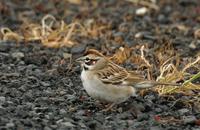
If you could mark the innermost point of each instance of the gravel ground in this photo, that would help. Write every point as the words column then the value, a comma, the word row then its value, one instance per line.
column 41, row 90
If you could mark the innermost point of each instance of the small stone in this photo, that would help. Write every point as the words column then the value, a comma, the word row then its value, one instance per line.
column 17, row 55
column 137, row 124
column 183, row 111
column 118, row 37
column 130, row 122
column 187, row 2
column 142, row 34
column 2, row 99
column 192, row 45
column 150, row 97
column 59, row 121
column 67, row 55
column 10, row 124
column 82, row 125
column 21, row 63
column 142, row 117
column 197, row 33
column 167, row 9
column 158, row 110
column 2, row 110
column 62, row 92
column 53, row 126
column 155, row 128
column 141, row 11
column 50, row 116
column 47, row 128
column 80, row 112
column 124, row 27
column 5, row 46
column 162, row 19
column 62, row 111
column 196, row 129
column 45, row 84
column 67, row 124
column 78, row 49
column 189, row 119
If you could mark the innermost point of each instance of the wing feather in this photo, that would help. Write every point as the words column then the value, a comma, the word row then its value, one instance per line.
column 116, row 75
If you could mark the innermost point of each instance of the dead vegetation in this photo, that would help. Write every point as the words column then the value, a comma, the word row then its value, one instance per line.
column 162, row 59
column 160, row 39
column 56, row 34
column 50, row 32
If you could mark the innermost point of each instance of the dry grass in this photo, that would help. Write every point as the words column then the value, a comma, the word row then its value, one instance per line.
column 50, row 32
column 53, row 33
column 169, row 72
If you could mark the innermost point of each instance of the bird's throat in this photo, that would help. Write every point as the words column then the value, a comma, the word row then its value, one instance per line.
column 85, row 68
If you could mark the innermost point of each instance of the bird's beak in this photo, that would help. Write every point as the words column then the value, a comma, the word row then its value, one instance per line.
column 80, row 59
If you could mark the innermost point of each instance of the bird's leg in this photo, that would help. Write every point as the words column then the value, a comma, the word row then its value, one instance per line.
column 109, row 107
column 99, row 104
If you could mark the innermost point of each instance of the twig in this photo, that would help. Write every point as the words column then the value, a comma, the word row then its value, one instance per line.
column 164, row 69
column 66, row 39
column 191, row 64
column 45, row 26
column 142, row 56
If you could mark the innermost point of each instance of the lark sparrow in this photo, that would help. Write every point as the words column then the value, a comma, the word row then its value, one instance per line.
column 106, row 81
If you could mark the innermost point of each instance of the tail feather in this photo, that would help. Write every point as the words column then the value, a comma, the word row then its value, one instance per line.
column 151, row 84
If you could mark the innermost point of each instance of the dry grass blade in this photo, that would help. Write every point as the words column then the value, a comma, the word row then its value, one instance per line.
column 145, row 3
column 196, row 76
column 31, row 32
column 121, row 55
column 143, row 57
column 61, row 36
column 191, row 64
column 74, row 1
column 175, row 75
column 51, row 32
column 47, row 27
column 166, row 69
column 197, row 33
column 9, row 35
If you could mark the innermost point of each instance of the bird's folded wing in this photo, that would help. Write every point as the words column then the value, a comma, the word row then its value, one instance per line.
column 117, row 75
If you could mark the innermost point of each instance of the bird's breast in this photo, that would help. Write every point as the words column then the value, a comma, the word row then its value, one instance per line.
column 106, row 92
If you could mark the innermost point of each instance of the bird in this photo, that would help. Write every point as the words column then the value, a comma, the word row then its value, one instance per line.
column 106, row 81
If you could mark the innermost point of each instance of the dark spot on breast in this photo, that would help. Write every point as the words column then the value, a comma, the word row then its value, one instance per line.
column 85, row 68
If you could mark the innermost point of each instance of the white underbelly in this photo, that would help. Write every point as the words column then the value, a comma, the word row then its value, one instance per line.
column 96, row 89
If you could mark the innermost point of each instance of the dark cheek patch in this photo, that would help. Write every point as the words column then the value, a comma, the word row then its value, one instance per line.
column 91, row 62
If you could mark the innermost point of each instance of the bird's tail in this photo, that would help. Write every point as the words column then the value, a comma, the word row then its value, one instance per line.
column 150, row 84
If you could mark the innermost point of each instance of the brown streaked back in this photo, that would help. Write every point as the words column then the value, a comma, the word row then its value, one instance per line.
column 93, row 51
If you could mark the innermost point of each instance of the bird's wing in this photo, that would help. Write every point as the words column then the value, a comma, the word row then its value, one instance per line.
column 116, row 75
column 134, row 78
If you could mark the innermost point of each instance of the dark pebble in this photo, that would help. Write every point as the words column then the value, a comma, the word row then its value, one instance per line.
column 163, row 19
column 158, row 110
column 2, row 99
column 142, row 117
column 187, row 2
column 78, row 49
column 183, row 111
column 189, row 119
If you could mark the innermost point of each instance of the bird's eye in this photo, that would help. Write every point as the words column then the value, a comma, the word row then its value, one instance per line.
column 87, row 59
